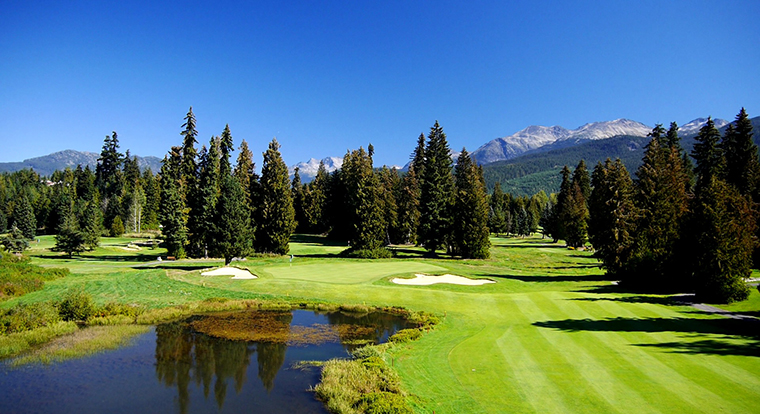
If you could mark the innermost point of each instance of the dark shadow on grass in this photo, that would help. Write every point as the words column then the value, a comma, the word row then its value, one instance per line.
column 709, row 346
column 622, row 288
column 733, row 327
column 530, row 245
column 547, row 278
column 140, row 258
column 316, row 239
column 187, row 268
column 657, row 300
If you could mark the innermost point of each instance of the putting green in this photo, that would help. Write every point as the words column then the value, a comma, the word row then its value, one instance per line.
column 349, row 273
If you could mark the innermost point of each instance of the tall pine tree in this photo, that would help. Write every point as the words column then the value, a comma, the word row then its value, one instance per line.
column 613, row 215
column 470, row 211
column 436, row 192
column 232, row 237
column 275, row 214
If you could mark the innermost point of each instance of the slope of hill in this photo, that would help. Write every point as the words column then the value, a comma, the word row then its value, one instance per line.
column 47, row 164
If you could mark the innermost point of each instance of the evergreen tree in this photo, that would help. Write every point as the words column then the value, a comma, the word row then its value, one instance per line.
column 172, row 208
column 24, row 219
column 436, row 190
column 707, row 154
column 275, row 214
column 612, row 221
column 724, row 245
column 108, row 170
column 225, row 148
column 69, row 238
column 90, row 224
column 470, row 223
column 498, row 211
column 188, row 169
column 232, row 235
column 575, row 217
column 581, row 177
column 297, row 192
column 408, row 197
column 15, row 242
column 3, row 221
column 662, row 205
column 742, row 166
column 245, row 169
column 418, row 157
column 202, row 220
column 363, row 202
column 316, row 201
column 559, row 214
column 109, row 178
column 390, row 188
column 117, row 227
column 152, row 194
column 548, row 221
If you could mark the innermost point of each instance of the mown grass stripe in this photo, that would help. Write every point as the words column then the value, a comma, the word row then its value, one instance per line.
column 702, row 396
column 592, row 366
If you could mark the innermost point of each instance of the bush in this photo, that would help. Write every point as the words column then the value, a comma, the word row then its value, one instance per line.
column 117, row 227
column 406, row 335
column 18, row 277
column 24, row 317
column 77, row 306
column 382, row 403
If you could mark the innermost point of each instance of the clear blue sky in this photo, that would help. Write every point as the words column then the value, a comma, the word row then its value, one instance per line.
column 327, row 76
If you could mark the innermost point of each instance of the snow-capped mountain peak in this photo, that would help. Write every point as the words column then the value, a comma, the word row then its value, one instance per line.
column 694, row 126
column 535, row 137
column 310, row 168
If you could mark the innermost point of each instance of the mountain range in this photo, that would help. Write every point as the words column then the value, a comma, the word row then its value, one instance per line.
column 47, row 164
column 542, row 138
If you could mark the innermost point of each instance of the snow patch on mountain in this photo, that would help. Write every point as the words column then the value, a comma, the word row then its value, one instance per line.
column 535, row 137
column 309, row 168
column 694, row 126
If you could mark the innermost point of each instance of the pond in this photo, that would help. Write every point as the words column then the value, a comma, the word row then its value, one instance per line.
column 224, row 362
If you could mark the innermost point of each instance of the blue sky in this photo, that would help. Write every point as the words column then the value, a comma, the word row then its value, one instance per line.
column 327, row 76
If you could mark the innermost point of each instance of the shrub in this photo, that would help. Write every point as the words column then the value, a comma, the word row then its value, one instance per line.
column 382, row 403
column 77, row 305
column 406, row 335
column 24, row 317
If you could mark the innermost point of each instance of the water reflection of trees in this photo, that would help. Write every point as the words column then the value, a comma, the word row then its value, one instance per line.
column 382, row 324
column 200, row 350
column 185, row 357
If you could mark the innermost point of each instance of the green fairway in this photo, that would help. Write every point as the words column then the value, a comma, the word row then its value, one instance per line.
column 552, row 335
column 349, row 273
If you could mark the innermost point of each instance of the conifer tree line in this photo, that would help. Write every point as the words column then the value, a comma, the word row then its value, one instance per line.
column 687, row 222
column 434, row 204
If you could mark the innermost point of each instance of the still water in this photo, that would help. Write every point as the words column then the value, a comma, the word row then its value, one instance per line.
column 193, row 367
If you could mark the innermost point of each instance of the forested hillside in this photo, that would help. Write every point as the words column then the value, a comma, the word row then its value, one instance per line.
column 531, row 173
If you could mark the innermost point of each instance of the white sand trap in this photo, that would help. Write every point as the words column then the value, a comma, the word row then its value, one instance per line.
column 425, row 280
column 235, row 272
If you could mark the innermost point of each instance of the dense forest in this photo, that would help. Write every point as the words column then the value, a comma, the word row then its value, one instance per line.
column 687, row 221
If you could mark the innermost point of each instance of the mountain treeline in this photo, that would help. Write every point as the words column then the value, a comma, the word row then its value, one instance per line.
column 688, row 222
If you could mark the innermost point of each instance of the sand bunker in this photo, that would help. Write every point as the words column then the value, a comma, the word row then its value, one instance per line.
column 230, row 271
column 425, row 280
